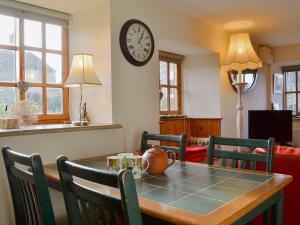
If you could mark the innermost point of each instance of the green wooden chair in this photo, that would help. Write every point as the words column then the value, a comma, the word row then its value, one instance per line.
column 234, row 157
column 180, row 139
column 88, row 207
column 30, row 195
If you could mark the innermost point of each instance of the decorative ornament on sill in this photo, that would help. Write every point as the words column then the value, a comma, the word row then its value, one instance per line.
column 25, row 112
column 23, row 86
column 161, row 94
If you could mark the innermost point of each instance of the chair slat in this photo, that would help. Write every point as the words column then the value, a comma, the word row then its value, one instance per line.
column 254, row 143
column 233, row 163
column 224, row 162
column 252, row 165
column 243, row 164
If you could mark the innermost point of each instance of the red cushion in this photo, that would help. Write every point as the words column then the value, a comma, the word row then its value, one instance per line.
column 195, row 153
column 195, row 149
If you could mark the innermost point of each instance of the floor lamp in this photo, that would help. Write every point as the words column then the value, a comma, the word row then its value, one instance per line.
column 240, row 56
column 82, row 74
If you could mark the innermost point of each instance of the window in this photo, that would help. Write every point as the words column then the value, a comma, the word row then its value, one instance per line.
column 170, row 83
column 34, row 53
column 292, row 88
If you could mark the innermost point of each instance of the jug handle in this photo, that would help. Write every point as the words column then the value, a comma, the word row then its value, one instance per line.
column 173, row 158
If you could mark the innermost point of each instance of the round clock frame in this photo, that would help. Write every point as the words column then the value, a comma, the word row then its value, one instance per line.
column 124, row 47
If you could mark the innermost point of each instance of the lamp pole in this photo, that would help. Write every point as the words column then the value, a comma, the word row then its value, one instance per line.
column 240, row 106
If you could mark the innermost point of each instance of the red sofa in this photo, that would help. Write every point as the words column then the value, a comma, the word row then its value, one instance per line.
column 286, row 160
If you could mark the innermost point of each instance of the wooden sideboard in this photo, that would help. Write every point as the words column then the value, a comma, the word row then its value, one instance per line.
column 195, row 127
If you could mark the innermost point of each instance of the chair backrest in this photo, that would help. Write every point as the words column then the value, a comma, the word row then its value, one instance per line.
column 30, row 195
column 180, row 139
column 235, row 157
column 89, row 207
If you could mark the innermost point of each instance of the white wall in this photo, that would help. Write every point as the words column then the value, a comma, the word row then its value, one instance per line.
column 90, row 33
column 135, row 89
column 201, row 94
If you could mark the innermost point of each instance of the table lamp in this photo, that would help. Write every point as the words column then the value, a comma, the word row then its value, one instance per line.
column 82, row 74
column 240, row 56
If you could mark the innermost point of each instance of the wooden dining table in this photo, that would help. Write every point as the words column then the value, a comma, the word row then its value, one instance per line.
column 198, row 194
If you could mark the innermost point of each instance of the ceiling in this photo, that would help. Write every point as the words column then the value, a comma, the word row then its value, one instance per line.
column 275, row 22
column 67, row 6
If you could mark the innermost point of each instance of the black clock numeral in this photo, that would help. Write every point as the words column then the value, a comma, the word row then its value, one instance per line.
column 128, row 40
column 130, row 47
column 148, row 44
column 146, row 50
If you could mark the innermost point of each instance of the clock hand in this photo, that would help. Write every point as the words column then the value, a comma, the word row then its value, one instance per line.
column 141, row 37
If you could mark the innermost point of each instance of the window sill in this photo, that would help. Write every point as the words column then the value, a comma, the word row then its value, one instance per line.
column 54, row 128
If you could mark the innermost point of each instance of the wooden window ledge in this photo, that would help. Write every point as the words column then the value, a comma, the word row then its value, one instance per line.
column 54, row 128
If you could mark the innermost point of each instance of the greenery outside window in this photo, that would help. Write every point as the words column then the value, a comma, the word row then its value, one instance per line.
column 292, row 88
column 34, row 50
column 170, row 83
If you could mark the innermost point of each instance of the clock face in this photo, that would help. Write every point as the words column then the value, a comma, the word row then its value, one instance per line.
column 136, row 42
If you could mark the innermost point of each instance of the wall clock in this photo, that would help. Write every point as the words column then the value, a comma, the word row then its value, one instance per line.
column 136, row 42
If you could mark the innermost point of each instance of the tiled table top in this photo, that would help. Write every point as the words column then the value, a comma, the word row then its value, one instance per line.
column 195, row 187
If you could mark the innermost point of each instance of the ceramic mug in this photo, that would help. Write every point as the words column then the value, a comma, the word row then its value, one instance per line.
column 113, row 163
column 124, row 160
column 136, row 166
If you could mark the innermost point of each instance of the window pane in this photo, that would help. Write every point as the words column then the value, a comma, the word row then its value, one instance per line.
column 9, row 65
column 298, row 73
column 173, row 99
column 54, row 68
column 173, row 74
column 33, row 33
column 54, row 100
column 33, row 66
column 9, row 34
column 291, row 81
column 249, row 79
column 164, row 100
column 163, row 72
column 53, row 37
column 8, row 97
column 34, row 96
column 291, row 102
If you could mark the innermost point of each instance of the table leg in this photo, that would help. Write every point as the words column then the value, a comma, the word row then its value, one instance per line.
column 277, row 211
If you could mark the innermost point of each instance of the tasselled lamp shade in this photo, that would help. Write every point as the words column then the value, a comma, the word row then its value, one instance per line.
column 241, row 54
column 82, row 73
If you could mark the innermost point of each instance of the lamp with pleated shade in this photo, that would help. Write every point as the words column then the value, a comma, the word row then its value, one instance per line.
column 82, row 74
column 240, row 56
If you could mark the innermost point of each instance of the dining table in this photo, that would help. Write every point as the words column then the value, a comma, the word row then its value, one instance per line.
column 196, row 193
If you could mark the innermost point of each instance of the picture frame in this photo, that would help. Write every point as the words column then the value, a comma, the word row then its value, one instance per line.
column 278, row 83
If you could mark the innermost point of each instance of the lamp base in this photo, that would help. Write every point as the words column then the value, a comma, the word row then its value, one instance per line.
column 80, row 123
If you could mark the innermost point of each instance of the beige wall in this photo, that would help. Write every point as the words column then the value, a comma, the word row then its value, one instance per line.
column 201, row 94
column 90, row 33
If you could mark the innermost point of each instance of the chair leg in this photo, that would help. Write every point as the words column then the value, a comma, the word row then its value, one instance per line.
column 277, row 211
column 267, row 217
